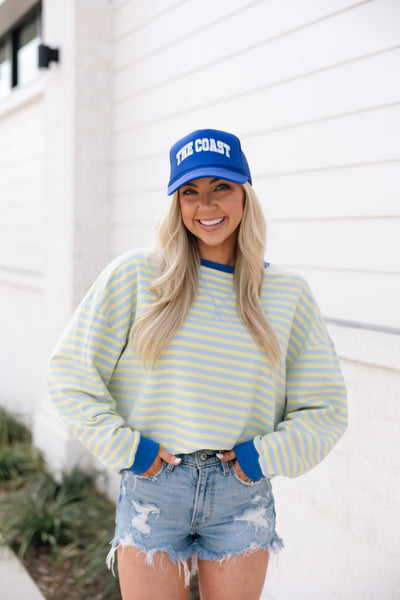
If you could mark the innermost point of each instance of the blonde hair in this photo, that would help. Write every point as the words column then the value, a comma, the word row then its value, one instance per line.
column 176, row 282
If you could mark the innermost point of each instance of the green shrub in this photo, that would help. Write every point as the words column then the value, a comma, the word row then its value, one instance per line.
column 18, row 460
column 92, row 567
column 78, row 482
column 12, row 429
column 36, row 517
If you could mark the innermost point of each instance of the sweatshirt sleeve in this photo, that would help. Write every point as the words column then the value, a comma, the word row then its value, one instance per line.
column 315, row 414
column 78, row 374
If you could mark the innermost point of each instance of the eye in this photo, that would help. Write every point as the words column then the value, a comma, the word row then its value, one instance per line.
column 222, row 186
column 188, row 191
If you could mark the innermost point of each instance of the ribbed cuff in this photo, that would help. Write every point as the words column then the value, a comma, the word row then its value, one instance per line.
column 247, row 457
column 146, row 453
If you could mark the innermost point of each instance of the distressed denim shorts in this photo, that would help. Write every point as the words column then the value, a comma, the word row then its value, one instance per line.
column 199, row 508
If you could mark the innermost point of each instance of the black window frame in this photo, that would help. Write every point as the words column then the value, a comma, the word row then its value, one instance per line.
column 12, row 37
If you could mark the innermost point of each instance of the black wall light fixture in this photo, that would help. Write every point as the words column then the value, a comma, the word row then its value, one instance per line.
column 47, row 55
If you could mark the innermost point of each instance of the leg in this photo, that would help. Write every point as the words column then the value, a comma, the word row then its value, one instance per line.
column 140, row 581
column 239, row 578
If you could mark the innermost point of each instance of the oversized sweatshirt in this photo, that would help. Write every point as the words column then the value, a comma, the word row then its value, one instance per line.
column 212, row 387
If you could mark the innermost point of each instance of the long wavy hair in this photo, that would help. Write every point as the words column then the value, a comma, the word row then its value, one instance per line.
column 176, row 282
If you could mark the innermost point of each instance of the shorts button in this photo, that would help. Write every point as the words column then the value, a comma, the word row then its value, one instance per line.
column 203, row 456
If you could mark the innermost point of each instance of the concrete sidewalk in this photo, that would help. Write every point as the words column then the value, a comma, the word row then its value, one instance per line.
column 15, row 581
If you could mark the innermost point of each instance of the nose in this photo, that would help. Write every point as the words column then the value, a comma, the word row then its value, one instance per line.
column 205, row 199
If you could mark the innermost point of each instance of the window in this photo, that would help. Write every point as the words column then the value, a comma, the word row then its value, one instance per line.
column 5, row 69
column 19, row 52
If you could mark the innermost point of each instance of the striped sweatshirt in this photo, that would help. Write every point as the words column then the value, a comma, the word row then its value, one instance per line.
column 212, row 387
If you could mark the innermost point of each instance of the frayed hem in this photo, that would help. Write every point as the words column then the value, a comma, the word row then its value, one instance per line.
column 183, row 563
column 273, row 548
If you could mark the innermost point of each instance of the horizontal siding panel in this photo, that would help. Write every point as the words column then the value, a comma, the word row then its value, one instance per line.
column 21, row 193
column 223, row 41
column 356, row 296
column 338, row 244
column 368, row 190
column 359, row 138
column 130, row 15
column 24, row 236
column 183, row 71
column 21, row 174
column 125, row 237
column 21, row 258
column 27, row 215
column 26, row 280
column 141, row 175
column 146, row 206
column 157, row 33
column 353, row 87
column 23, row 151
column 21, row 123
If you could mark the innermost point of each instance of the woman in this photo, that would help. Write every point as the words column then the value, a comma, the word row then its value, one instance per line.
column 200, row 372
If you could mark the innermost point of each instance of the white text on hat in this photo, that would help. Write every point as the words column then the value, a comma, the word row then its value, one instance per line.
column 202, row 145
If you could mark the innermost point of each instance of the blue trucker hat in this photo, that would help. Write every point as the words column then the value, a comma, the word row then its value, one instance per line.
column 207, row 153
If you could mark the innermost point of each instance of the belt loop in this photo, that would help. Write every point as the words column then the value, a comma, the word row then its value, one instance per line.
column 225, row 467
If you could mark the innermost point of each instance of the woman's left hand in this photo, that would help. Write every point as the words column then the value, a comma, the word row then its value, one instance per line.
column 230, row 456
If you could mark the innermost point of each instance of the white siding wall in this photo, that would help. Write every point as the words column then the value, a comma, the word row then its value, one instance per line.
column 21, row 190
column 310, row 87
column 21, row 246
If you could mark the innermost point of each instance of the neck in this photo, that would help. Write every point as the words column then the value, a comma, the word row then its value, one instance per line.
column 223, row 258
column 224, row 254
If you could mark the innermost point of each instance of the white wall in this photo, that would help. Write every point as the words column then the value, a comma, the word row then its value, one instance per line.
column 340, row 522
column 21, row 246
column 76, row 196
column 311, row 89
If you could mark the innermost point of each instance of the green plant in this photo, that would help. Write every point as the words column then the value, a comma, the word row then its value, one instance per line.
column 66, row 515
column 78, row 482
column 19, row 459
column 92, row 567
column 35, row 518
column 12, row 429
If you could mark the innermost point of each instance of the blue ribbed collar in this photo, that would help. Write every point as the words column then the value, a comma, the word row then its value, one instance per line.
column 217, row 266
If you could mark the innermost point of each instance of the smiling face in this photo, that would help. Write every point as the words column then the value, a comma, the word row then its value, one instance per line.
column 212, row 210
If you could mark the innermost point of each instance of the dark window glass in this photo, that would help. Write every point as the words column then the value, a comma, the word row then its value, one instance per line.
column 19, row 52
column 5, row 69
column 27, row 42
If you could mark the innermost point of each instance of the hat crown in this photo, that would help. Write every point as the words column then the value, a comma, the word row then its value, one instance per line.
column 207, row 153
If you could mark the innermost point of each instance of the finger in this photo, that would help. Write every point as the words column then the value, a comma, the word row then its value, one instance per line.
column 167, row 457
column 225, row 456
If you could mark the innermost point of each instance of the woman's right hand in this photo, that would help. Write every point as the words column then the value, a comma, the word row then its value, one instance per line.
column 162, row 456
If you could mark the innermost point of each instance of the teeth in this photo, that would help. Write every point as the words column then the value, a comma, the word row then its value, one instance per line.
column 212, row 222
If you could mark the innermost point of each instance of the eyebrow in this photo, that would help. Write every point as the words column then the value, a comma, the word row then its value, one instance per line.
column 192, row 184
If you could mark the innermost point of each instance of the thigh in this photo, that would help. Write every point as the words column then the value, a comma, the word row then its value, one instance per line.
column 163, row 580
column 239, row 577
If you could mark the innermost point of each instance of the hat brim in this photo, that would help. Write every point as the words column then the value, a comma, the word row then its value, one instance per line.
column 207, row 172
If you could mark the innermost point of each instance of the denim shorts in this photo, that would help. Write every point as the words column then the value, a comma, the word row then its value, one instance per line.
column 197, row 509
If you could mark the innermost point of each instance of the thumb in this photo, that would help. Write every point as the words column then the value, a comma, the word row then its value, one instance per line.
column 167, row 457
column 225, row 456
